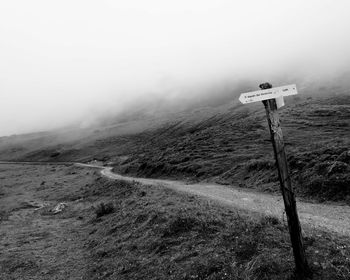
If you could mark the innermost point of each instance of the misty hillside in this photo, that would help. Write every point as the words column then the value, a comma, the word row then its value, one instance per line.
column 231, row 145
column 224, row 142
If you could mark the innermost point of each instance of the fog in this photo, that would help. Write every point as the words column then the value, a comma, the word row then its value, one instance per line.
column 65, row 62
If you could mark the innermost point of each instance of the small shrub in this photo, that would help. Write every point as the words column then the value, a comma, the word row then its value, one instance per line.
column 4, row 215
column 104, row 209
column 180, row 225
column 55, row 154
column 270, row 220
column 255, row 165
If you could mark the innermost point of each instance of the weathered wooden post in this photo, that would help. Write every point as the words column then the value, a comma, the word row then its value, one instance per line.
column 268, row 96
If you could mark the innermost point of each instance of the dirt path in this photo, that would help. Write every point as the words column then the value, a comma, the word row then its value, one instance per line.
column 334, row 218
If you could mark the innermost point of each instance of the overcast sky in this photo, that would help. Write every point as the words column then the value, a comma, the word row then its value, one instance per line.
column 61, row 60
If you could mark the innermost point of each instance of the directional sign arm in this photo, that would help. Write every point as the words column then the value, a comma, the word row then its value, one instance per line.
column 265, row 94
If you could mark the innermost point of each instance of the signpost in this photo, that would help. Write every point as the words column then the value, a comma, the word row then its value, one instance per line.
column 267, row 93
column 269, row 96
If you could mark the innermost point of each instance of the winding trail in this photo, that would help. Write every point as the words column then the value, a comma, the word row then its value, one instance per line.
column 329, row 217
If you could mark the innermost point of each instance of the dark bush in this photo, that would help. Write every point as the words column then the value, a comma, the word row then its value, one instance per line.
column 255, row 165
column 180, row 225
column 55, row 154
column 104, row 209
column 270, row 220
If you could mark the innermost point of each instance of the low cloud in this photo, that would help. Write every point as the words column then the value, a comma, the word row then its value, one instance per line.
column 69, row 61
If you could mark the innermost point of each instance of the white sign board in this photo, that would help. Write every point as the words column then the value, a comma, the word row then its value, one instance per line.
column 265, row 94
column 279, row 101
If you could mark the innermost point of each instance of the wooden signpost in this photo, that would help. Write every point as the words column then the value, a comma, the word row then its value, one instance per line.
column 271, row 98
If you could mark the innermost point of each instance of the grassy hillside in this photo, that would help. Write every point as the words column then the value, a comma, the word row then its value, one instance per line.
column 120, row 230
column 233, row 147
column 227, row 144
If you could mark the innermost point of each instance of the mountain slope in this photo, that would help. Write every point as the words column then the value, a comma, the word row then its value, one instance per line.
column 227, row 144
